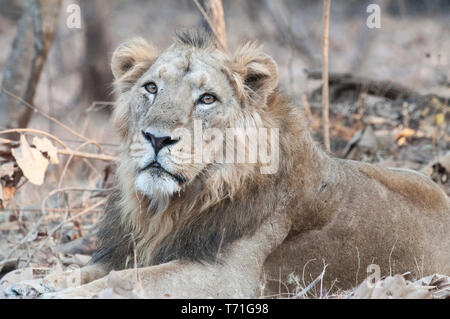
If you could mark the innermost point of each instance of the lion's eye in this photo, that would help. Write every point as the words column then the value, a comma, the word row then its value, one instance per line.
column 151, row 88
column 207, row 99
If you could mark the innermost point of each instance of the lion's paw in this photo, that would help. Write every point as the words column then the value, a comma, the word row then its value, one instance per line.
column 28, row 288
column 70, row 293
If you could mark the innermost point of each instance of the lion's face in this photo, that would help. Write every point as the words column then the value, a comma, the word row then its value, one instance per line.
column 181, row 88
column 175, row 108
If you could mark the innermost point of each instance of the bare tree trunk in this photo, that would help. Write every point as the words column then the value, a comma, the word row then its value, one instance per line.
column 29, row 52
column 212, row 12
column 325, row 98
column 97, row 76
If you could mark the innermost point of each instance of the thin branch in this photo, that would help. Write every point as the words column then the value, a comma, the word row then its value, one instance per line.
column 65, row 151
column 48, row 209
column 33, row 131
column 325, row 89
column 51, row 118
column 26, row 238
column 101, row 157
column 311, row 285
column 65, row 140
column 219, row 39
column 55, row 229
column 66, row 166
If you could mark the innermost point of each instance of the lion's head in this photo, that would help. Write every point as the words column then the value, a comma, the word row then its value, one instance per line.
column 208, row 145
column 176, row 110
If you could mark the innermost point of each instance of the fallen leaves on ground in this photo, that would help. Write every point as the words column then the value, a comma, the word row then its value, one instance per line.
column 397, row 287
column 439, row 285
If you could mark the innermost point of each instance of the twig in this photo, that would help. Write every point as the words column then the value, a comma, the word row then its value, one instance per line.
column 6, row 141
column 102, row 157
column 390, row 257
column 211, row 25
column 34, row 131
column 138, row 289
column 55, row 229
column 81, row 142
column 69, row 189
column 66, row 166
column 220, row 247
column 65, row 151
column 65, row 140
column 304, row 267
column 44, row 212
column 325, row 89
column 321, row 278
column 359, row 266
column 35, row 109
column 48, row 209
column 307, row 107
column 311, row 285
column 405, row 114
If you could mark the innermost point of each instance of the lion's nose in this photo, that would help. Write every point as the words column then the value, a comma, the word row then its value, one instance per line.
column 159, row 143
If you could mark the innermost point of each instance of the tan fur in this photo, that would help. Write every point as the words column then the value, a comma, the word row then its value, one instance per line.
column 406, row 182
column 314, row 210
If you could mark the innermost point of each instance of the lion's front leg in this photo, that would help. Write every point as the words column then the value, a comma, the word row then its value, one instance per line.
column 177, row 279
column 237, row 275
column 56, row 281
column 89, row 290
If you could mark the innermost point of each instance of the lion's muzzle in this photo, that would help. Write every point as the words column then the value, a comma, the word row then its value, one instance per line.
column 159, row 143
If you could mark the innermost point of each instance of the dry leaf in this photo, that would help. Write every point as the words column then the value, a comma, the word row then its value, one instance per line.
column 31, row 161
column 439, row 285
column 7, row 170
column 395, row 287
column 45, row 146
column 6, row 193
column 401, row 141
column 407, row 132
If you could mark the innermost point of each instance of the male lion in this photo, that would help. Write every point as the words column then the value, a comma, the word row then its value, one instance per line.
column 223, row 229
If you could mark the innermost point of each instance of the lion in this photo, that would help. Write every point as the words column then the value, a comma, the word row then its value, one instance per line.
column 236, row 229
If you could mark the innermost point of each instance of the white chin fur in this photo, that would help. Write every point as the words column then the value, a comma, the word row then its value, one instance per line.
column 155, row 186
column 158, row 189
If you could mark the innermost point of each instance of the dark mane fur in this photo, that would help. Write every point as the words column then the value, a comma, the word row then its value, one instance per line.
column 204, row 237
column 197, row 38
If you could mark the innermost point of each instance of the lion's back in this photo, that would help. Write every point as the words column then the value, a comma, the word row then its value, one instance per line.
column 414, row 186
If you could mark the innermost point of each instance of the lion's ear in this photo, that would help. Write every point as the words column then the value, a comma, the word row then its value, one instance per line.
column 130, row 60
column 257, row 73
